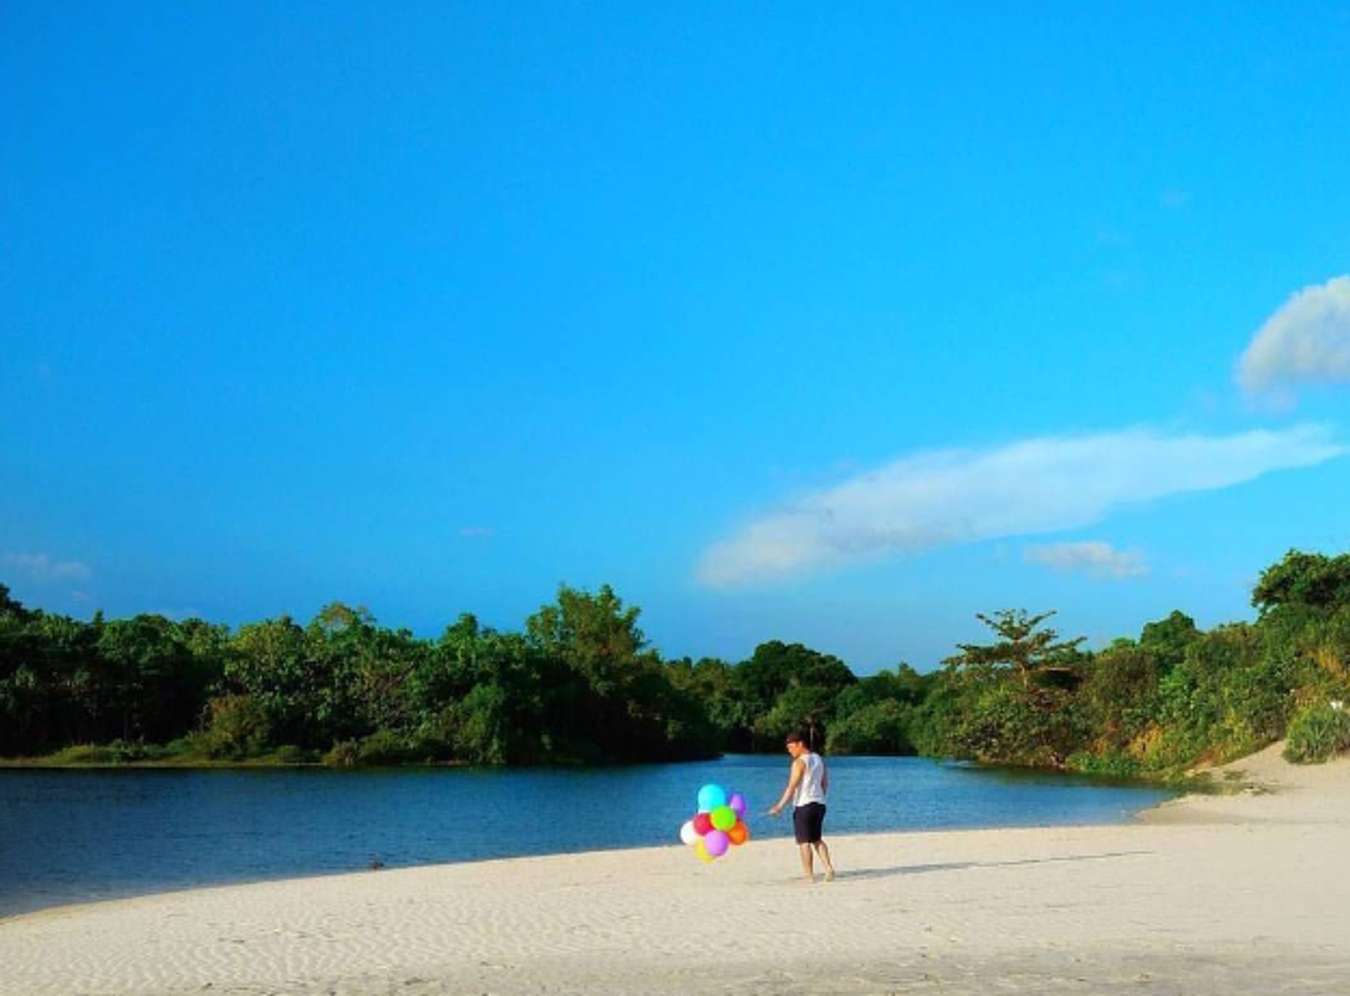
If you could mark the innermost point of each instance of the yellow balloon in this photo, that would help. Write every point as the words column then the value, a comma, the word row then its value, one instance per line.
column 701, row 852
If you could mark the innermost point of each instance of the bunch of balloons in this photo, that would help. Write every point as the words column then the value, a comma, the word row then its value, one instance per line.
column 718, row 824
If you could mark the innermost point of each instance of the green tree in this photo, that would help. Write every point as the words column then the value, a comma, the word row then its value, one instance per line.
column 624, row 707
column 1011, row 695
column 776, row 669
column 10, row 606
column 155, row 678
column 712, row 683
column 877, row 728
column 1304, row 579
column 1022, row 649
column 594, row 634
column 1119, row 698
column 804, row 707
column 1167, row 639
column 904, row 685
column 237, row 727
column 269, row 662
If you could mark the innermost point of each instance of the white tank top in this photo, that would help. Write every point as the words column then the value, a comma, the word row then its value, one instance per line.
column 812, row 786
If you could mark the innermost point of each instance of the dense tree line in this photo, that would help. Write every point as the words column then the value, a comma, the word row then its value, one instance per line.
column 579, row 684
column 576, row 685
column 1167, row 700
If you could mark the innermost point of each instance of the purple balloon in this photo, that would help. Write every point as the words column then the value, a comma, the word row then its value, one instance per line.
column 717, row 842
column 737, row 802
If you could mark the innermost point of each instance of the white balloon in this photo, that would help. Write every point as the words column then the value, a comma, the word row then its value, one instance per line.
column 687, row 832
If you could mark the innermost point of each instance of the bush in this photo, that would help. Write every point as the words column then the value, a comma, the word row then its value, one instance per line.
column 481, row 730
column 1001, row 722
column 1228, row 697
column 434, row 736
column 344, row 754
column 115, row 752
column 290, row 754
column 1111, row 764
column 237, row 727
column 1119, row 697
column 81, row 754
column 385, row 747
column 127, row 751
column 1316, row 733
column 192, row 746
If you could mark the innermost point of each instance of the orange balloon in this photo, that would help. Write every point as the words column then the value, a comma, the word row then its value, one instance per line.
column 701, row 852
column 739, row 834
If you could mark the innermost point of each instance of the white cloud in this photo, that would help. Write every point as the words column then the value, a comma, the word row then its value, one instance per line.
column 1092, row 557
column 1306, row 340
column 1034, row 486
column 42, row 568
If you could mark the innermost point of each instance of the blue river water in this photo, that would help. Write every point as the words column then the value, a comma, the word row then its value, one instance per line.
column 82, row 835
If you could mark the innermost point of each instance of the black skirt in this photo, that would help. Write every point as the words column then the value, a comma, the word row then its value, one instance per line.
column 807, row 822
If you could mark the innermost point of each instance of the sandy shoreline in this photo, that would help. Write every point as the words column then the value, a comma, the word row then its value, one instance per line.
column 1233, row 894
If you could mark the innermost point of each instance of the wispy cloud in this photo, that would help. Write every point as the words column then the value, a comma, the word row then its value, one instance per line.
column 1091, row 557
column 41, row 568
column 1306, row 341
column 1034, row 486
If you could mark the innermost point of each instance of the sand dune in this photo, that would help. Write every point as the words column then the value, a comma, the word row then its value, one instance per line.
column 1240, row 894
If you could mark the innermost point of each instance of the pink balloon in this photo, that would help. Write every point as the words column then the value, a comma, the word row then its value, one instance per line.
column 737, row 802
column 717, row 842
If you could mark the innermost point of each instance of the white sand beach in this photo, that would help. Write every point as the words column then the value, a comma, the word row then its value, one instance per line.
column 1222, row 895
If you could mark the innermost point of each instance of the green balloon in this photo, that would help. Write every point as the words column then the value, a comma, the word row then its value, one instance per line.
column 723, row 817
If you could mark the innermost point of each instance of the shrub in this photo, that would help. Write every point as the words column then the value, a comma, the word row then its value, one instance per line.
column 187, row 748
column 1119, row 697
column 481, row 730
column 384, row 747
column 1316, row 733
column 343, row 754
column 115, row 752
column 127, row 751
column 434, row 736
column 82, row 754
column 1001, row 722
column 237, row 726
column 290, row 754
column 1110, row 764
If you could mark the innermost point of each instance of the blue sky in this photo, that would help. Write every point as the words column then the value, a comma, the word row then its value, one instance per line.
column 831, row 326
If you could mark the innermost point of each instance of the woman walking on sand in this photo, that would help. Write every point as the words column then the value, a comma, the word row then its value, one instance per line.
column 808, row 781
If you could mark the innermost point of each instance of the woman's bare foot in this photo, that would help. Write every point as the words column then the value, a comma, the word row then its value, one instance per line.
column 829, row 875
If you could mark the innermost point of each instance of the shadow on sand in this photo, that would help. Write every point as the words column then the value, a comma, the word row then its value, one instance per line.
column 860, row 873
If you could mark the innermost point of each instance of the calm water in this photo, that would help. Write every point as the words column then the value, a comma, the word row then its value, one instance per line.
column 72, row 836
